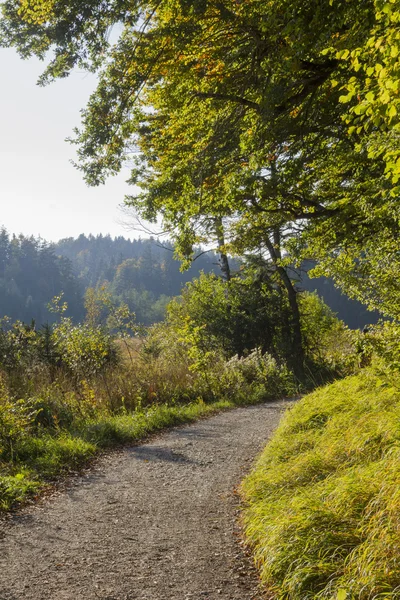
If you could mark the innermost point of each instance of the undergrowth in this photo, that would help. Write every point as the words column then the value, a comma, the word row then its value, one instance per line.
column 68, row 390
column 323, row 502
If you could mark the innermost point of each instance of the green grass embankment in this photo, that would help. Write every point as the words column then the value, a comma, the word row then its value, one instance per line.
column 323, row 502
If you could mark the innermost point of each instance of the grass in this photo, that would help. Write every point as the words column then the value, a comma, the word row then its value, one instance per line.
column 56, row 420
column 39, row 459
column 323, row 502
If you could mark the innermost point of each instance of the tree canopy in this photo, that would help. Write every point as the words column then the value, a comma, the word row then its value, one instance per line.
column 277, row 119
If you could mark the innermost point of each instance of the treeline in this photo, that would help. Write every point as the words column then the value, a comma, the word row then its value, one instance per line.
column 31, row 273
column 140, row 273
column 143, row 274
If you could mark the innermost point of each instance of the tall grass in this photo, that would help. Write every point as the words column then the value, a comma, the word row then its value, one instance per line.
column 57, row 422
column 323, row 502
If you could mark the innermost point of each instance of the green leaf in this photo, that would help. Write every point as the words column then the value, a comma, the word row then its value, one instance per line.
column 370, row 96
column 343, row 54
column 360, row 109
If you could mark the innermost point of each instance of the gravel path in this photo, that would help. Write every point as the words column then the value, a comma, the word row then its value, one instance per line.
column 152, row 522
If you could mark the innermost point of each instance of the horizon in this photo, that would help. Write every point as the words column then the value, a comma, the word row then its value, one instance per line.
column 129, row 237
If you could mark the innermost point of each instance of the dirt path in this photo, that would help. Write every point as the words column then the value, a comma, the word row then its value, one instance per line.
column 152, row 522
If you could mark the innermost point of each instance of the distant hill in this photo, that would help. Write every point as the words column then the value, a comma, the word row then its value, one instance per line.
column 141, row 273
column 151, row 263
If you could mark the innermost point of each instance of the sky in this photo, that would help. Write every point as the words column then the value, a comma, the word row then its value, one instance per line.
column 41, row 192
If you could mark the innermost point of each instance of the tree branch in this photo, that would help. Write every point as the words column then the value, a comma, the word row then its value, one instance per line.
column 229, row 98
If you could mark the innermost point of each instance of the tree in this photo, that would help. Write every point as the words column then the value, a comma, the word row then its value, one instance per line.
column 278, row 116
column 233, row 316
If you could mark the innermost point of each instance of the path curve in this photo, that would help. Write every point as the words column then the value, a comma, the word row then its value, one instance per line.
column 152, row 522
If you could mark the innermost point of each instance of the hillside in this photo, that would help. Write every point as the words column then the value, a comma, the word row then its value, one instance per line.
column 141, row 273
column 323, row 500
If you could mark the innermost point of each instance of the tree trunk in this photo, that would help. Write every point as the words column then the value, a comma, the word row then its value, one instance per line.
column 297, row 358
column 224, row 262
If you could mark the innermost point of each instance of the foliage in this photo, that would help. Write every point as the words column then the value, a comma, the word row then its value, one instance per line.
column 381, row 345
column 235, row 316
column 259, row 376
column 250, row 312
column 322, row 503
column 82, row 349
column 31, row 273
column 85, row 350
column 143, row 264
column 329, row 344
column 263, row 116
column 16, row 419
column 61, row 424
column 137, row 273
column 372, row 91
column 352, row 312
column 19, row 345
column 69, row 389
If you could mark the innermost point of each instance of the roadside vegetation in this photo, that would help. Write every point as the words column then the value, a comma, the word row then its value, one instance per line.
column 322, row 504
column 68, row 390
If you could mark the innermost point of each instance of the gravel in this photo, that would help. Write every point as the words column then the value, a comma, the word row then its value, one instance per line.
column 158, row 521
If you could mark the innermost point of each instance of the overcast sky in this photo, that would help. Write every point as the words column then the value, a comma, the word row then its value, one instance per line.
column 40, row 191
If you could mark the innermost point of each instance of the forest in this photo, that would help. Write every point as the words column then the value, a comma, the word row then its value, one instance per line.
column 141, row 273
column 268, row 131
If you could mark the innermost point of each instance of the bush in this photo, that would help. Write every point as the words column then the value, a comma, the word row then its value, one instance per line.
column 382, row 343
column 233, row 317
column 256, row 376
column 85, row 350
column 331, row 348
column 16, row 419
column 18, row 346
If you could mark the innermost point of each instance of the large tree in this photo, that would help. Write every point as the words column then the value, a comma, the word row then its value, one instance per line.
column 277, row 116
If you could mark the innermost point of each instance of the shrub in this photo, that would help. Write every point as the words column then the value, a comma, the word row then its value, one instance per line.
column 383, row 343
column 18, row 346
column 16, row 419
column 331, row 348
column 234, row 316
column 85, row 350
column 256, row 376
